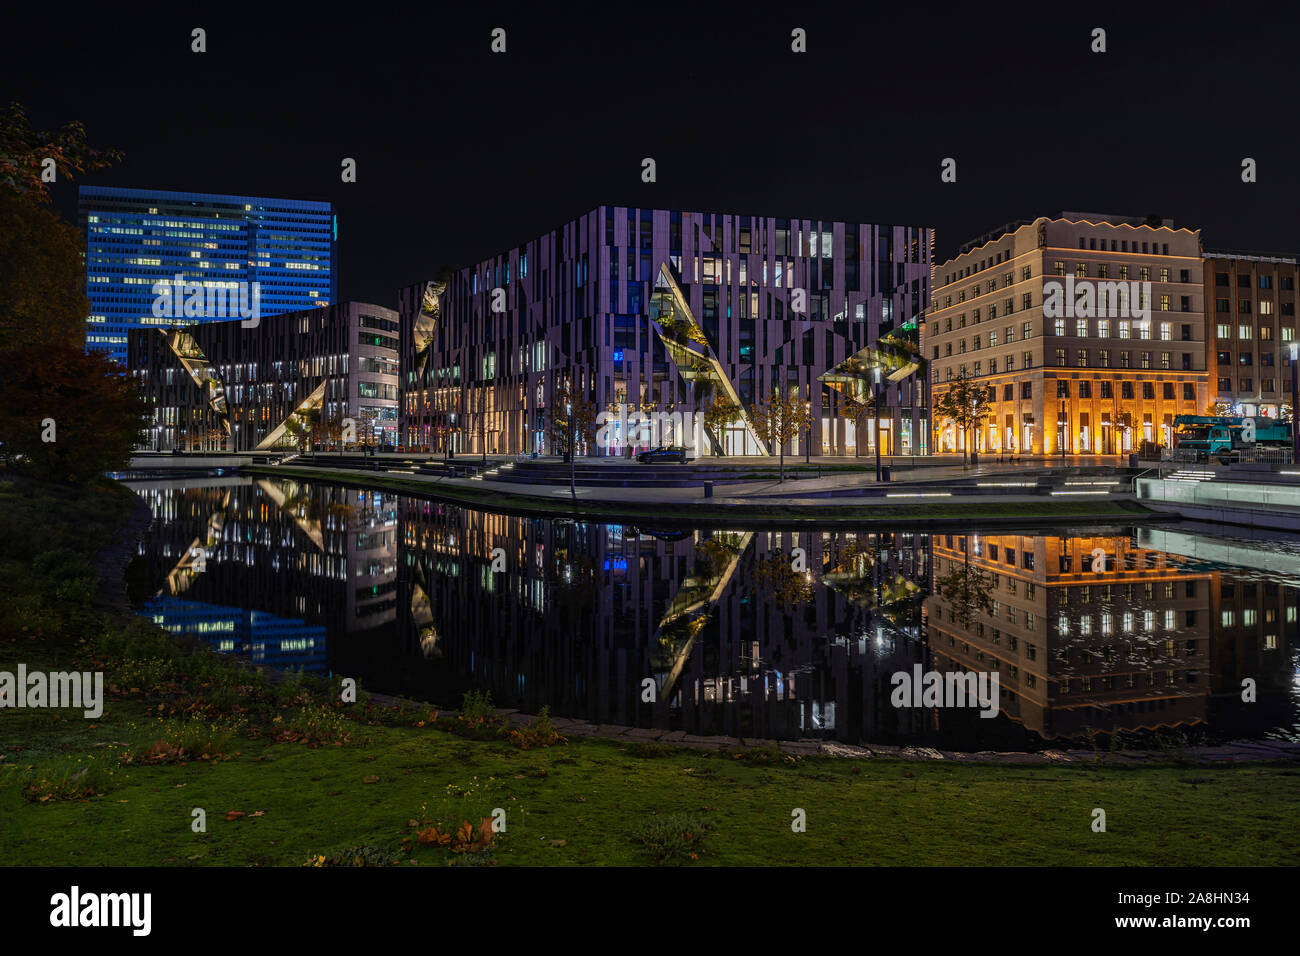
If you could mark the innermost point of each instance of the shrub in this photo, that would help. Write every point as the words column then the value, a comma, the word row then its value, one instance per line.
column 466, row 838
column 365, row 854
column 316, row 724
column 188, row 739
column 677, row 836
column 476, row 708
column 538, row 732
column 47, row 783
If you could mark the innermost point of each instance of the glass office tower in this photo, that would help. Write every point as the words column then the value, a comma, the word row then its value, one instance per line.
column 154, row 258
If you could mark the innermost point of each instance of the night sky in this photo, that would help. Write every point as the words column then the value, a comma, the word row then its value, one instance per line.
column 462, row 153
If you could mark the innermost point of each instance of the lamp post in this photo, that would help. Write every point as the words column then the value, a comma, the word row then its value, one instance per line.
column 876, row 405
column 1295, row 393
column 1060, row 421
column 568, row 410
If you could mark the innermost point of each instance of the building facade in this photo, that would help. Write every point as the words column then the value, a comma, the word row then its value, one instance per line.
column 653, row 310
column 1250, row 303
column 1088, row 329
column 226, row 385
column 217, row 253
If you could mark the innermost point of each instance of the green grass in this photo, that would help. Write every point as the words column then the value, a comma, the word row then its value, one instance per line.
column 312, row 779
column 597, row 799
column 860, row 513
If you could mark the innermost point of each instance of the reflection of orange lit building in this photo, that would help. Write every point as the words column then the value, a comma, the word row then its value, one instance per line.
column 1106, row 370
column 1075, row 649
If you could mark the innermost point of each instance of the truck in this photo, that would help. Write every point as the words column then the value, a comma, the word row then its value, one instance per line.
column 1207, row 437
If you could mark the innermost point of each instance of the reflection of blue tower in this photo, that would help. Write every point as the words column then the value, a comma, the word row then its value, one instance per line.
column 259, row 636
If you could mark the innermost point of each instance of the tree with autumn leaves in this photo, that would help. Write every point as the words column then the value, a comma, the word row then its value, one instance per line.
column 965, row 403
column 780, row 419
column 572, row 421
column 66, row 415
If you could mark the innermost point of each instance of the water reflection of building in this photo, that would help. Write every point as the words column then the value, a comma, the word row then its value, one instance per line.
column 737, row 633
column 261, row 637
column 1254, row 577
column 1255, row 621
column 1123, row 647
column 582, row 614
column 286, row 555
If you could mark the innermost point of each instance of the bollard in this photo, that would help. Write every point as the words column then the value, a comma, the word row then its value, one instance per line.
column 884, row 472
column 708, row 489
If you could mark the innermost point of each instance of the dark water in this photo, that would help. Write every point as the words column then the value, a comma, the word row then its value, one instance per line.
column 1145, row 631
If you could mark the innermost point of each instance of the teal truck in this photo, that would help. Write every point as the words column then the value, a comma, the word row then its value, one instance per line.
column 1210, row 437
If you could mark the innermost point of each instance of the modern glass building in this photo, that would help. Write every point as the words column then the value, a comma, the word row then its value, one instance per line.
column 216, row 257
column 225, row 385
column 646, row 311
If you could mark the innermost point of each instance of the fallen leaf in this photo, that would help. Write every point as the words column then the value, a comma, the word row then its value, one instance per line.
column 235, row 815
column 371, row 778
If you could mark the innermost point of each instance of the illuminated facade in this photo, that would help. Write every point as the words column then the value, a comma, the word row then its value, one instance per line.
column 222, row 385
column 1250, row 303
column 659, row 310
column 1089, row 330
column 136, row 238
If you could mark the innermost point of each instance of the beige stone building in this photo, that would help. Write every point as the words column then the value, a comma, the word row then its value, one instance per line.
column 1089, row 329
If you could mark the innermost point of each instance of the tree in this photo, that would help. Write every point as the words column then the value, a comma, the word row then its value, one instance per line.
column 779, row 419
column 718, row 416
column 966, row 588
column 42, row 276
column 297, row 431
column 67, row 415
column 776, row 576
column 965, row 403
column 24, row 153
column 863, row 414
column 572, row 424
column 1219, row 409
column 333, row 428
column 301, row 425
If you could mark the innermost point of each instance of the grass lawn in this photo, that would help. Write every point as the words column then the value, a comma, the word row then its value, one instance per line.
column 308, row 778
column 588, row 802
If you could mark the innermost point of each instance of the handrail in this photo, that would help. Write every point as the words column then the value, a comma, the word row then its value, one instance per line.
column 1159, row 468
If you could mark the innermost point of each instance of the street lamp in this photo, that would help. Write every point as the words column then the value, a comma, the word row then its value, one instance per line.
column 1295, row 393
column 573, row 433
column 876, row 403
column 1060, row 422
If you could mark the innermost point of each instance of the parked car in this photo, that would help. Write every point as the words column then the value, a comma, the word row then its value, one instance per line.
column 663, row 453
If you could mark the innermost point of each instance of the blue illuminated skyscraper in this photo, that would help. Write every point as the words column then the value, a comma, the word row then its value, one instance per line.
column 230, row 248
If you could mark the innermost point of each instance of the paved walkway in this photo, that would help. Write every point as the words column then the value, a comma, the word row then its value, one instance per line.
column 800, row 490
